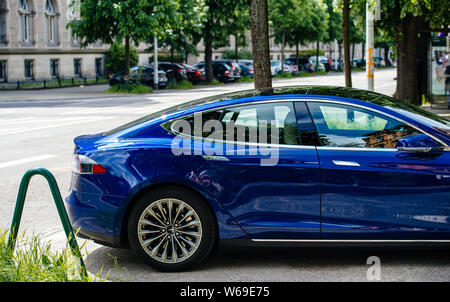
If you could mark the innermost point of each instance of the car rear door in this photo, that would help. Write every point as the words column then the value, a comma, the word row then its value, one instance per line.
column 370, row 190
column 269, row 184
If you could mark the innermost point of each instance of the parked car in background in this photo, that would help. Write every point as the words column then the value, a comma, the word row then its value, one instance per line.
column 349, row 167
column 246, row 68
column 141, row 74
column 358, row 63
column 233, row 65
column 178, row 72
column 275, row 67
column 327, row 63
column 193, row 74
column 222, row 72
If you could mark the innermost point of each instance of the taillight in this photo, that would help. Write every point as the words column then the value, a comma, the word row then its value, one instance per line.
column 198, row 73
column 180, row 70
column 226, row 73
column 84, row 165
column 250, row 70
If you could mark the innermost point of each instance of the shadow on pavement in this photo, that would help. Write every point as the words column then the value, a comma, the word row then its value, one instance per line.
column 283, row 264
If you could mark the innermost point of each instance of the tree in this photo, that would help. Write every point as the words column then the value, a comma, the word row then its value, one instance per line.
column 115, row 57
column 297, row 22
column 409, row 22
column 260, row 44
column 131, row 21
column 217, row 27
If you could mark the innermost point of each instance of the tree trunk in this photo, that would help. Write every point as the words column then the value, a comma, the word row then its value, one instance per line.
column 407, row 83
column 386, row 56
column 172, row 65
column 317, row 55
column 260, row 44
column 296, row 57
column 346, row 38
column 208, row 40
column 127, row 58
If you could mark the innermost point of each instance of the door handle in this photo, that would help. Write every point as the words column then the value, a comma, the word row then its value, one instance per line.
column 217, row 158
column 345, row 163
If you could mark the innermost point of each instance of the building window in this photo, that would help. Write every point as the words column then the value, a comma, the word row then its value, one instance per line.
column 52, row 28
column 25, row 18
column 3, row 11
column 29, row 74
column 77, row 67
column 54, row 68
column 99, row 66
column 3, row 71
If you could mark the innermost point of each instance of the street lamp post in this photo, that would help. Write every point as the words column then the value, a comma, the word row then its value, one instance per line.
column 155, row 63
column 369, row 47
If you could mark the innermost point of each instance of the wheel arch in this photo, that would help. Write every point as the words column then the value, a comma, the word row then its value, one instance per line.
column 161, row 185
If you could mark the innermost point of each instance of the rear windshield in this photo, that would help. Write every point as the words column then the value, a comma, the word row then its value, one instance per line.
column 149, row 117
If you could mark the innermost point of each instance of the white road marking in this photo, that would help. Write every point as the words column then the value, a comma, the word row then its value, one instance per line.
column 26, row 160
column 78, row 121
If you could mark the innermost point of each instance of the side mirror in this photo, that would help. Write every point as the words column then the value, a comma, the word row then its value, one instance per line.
column 417, row 143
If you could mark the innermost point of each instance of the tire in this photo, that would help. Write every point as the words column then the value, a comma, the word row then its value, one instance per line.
column 181, row 244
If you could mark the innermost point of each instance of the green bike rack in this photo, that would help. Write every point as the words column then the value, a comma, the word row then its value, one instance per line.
column 59, row 205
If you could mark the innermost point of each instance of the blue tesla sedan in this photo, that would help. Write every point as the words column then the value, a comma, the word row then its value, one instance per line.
column 293, row 165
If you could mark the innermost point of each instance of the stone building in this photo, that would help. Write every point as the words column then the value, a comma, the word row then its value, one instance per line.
column 35, row 44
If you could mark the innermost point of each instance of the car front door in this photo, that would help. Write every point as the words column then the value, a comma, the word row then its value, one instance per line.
column 371, row 190
column 269, row 183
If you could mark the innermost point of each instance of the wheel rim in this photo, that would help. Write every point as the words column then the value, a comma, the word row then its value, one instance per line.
column 169, row 230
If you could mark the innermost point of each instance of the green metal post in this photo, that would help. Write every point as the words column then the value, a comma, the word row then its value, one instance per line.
column 59, row 205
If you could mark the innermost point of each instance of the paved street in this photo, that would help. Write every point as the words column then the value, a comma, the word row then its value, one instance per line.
column 37, row 130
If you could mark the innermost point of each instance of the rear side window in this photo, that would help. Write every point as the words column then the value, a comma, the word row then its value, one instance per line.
column 347, row 126
column 273, row 123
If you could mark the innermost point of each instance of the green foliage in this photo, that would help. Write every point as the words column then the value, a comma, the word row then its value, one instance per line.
column 181, row 85
column 129, row 88
column 35, row 262
column 115, row 57
column 242, row 54
column 298, row 21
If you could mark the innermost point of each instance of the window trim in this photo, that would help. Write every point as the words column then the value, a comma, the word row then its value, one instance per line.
column 306, row 100
column 253, row 144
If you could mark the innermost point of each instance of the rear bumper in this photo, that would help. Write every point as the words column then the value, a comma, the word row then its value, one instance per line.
column 96, row 217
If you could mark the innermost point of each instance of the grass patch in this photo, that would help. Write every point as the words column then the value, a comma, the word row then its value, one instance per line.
column 213, row 82
column 180, row 85
column 245, row 80
column 34, row 262
column 129, row 88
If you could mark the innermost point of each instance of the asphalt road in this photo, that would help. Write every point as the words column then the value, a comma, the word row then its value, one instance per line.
column 37, row 129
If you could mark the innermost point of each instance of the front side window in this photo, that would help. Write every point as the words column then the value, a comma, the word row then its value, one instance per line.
column 273, row 123
column 347, row 126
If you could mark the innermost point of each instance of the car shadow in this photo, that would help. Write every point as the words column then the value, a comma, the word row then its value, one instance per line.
column 282, row 264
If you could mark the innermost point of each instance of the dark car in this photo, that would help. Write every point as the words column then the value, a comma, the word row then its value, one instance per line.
column 233, row 65
column 306, row 165
column 173, row 70
column 246, row 68
column 142, row 74
column 221, row 71
column 147, row 77
column 193, row 74
column 304, row 64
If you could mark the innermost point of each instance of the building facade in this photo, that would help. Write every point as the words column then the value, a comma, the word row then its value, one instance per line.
column 35, row 43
